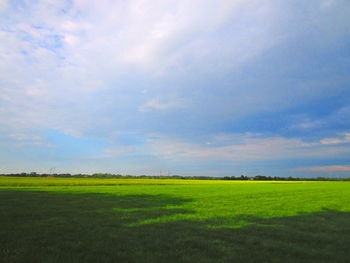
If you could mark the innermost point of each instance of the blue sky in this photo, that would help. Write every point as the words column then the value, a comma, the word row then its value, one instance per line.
column 186, row 87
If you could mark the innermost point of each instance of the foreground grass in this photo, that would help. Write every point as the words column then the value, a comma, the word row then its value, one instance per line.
column 112, row 220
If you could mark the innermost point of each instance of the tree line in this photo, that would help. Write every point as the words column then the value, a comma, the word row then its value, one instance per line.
column 242, row 177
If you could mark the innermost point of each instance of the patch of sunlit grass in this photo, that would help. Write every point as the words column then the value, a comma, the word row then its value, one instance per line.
column 52, row 181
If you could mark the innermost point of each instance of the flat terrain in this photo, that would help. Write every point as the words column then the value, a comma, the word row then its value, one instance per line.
column 150, row 220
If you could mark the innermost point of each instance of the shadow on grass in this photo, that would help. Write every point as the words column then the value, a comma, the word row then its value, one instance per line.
column 49, row 227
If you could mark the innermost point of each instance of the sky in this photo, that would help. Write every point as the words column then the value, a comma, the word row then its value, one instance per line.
column 197, row 88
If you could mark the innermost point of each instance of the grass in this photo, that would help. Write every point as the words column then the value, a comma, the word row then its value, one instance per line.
column 51, row 181
column 146, row 220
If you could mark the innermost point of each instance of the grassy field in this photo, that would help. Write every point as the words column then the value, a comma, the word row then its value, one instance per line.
column 149, row 220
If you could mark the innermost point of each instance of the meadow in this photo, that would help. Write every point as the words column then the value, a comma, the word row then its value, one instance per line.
column 149, row 220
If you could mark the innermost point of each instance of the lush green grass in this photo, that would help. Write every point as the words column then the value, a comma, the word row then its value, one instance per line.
column 144, row 220
column 51, row 181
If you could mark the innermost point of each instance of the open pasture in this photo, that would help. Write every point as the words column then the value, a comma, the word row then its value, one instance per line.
column 149, row 220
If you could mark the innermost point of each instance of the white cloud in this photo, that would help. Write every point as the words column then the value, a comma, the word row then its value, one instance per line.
column 157, row 105
column 241, row 147
column 90, row 44
column 4, row 5
column 345, row 138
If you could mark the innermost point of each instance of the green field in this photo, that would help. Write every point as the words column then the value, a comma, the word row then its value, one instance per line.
column 150, row 220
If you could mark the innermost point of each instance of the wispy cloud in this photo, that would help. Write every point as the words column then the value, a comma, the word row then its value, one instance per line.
column 245, row 148
column 343, row 139
column 156, row 104
column 331, row 168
